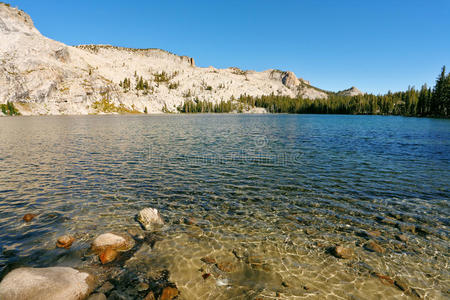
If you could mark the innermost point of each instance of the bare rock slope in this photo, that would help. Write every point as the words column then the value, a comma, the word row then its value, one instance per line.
column 43, row 76
column 353, row 91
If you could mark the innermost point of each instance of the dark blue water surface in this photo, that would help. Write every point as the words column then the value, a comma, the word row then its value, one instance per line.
column 256, row 181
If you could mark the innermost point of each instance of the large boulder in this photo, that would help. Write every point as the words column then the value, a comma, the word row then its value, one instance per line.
column 46, row 284
column 148, row 217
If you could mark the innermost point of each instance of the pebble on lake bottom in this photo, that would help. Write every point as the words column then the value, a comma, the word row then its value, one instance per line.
column 402, row 237
column 28, row 217
column 342, row 252
column 142, row 287
column 373, row 247
column 208, row 260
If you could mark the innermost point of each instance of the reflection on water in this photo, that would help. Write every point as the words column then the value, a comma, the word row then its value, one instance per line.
column 268, row 195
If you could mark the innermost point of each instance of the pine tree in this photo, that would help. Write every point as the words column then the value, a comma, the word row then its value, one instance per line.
column 446, row 97
column 422, row 101
column 437, row 97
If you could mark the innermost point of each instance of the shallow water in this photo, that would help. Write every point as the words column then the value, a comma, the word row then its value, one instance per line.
column 268, row 193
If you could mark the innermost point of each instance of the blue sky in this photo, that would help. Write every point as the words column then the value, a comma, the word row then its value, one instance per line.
column 374, row 45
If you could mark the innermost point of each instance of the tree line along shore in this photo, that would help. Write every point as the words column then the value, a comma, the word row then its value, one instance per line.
column 426, row 102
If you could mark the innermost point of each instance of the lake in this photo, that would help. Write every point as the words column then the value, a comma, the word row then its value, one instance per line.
column 267, row 196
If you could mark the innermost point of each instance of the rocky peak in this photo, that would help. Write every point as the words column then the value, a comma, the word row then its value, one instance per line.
column 305, row 81
column 15, row 20
column 289, row 79
column 188, row 59
column 145, row 52
column 353, row 91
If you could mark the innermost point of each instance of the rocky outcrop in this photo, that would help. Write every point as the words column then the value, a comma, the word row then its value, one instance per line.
column 353, row 91
column 15, row 20
column 46, row 284
column 290, row 80
column 189, row 60
column 42, row 76
column 63, row 55
column 304, row 81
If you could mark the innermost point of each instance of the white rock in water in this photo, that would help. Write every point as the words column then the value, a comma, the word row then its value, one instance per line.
column 222, row 282
column 46, row 284
column 112, row 241
column 148, row 217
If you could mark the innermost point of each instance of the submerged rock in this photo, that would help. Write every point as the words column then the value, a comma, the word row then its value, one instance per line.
column 150, row 296
column 106, row 287
column 169, row 293
column 373, row 247
column 46, row 283
column 65, row 241
column 374, row 233
column 28, row 217
column 388, row 221
column 222, row 282
column 342, row 252
column 208, row 260
column 97, row 296
column 136, row 232
column 190, row 221
column 403, row 227
column 118, row 242
column 142, row 287
column 403, row 286
column 116, row 295
column 227, row 267
column 402, row 237
column 148, row 217
column 386, row 280
column 108, row 255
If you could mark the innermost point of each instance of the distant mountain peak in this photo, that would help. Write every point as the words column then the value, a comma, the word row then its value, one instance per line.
column 353, row 91
column 15, row 20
